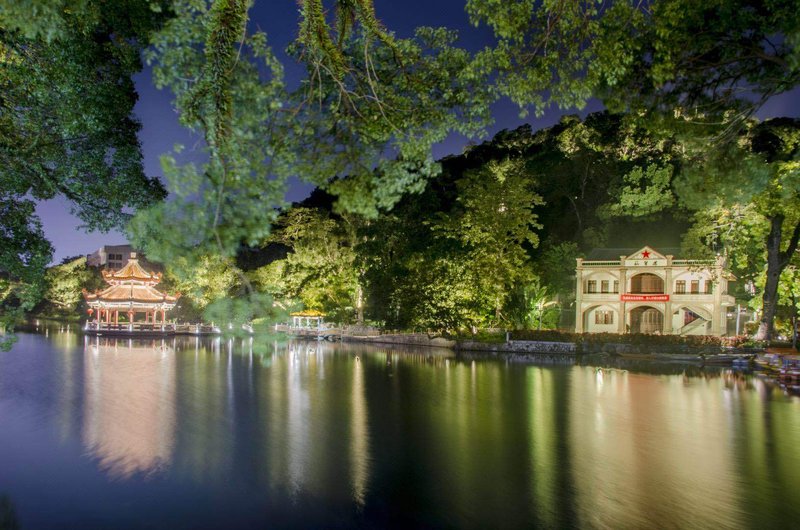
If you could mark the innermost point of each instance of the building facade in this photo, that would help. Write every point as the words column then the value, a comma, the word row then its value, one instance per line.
column 112, row 257
column 650, row 292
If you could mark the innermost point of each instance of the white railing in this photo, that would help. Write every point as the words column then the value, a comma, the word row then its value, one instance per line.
column 615, row 263
column 693, row 262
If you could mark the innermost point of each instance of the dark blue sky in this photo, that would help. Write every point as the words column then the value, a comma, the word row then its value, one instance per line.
column 160, row 129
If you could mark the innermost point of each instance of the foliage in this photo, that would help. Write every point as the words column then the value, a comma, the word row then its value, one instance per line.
column 362, row 125
column 450, row 258
column 320, row 271
column 67, row 126
column 700, row 60
column 529, row 307
column 554, row 267
column 364, row 130
column 759, row 175
column 594, row 342
column 493, row 223
column 65, row 283
column 204, row 281
column 229, row 89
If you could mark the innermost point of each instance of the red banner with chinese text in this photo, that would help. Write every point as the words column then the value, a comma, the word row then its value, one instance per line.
column 644, row 297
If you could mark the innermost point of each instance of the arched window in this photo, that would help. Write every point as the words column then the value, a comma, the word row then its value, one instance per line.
column 647, row 283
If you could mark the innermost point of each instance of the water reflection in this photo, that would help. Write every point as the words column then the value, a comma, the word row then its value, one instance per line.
column 129, row 413
column 305, row 433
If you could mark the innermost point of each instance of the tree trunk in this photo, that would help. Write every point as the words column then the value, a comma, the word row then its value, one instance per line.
column 776, row 262
column 794, row 323
column 359, row 305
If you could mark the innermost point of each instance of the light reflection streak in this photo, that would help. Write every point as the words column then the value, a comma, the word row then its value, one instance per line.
column 359, row 436
column 129, row 418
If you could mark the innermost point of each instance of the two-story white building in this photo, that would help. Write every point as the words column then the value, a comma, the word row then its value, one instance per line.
column 649, row 292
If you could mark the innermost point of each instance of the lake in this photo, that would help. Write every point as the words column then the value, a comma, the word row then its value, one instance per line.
column 218, row 433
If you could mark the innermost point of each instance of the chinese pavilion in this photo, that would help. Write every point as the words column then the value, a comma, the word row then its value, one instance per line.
column 131, row 291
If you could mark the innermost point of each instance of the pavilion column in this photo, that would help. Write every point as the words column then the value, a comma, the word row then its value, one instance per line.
column 116, row 317
column 97, row 316
column 130, row 317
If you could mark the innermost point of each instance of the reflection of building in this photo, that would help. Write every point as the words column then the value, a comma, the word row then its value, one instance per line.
column 131, row 290
column 129, row 423
column 649, row 292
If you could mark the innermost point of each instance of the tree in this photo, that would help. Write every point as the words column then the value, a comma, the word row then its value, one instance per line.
column 320, row 270
column 494, row 222
column 361, row 125
column 761, row 172
column 698, row 59
column 528, row 306
column 67, row 126
column 204, row 281
column 65, row 283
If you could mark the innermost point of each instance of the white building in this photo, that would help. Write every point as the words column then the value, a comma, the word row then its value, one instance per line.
column 649, row 292
column 112, row 257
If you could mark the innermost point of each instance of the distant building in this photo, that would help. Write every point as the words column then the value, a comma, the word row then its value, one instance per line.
column 619, row 291
column 112, row 257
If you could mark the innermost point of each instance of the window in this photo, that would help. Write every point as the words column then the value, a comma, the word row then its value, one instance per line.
column 709, row 286
column 591, row 286
column 695, row 286
column 604, row 317
column 604, row 286
column 680, row 287
column 616, row 286
column 646, row 283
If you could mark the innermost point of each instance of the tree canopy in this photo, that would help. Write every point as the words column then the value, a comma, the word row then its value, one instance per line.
column 67, row 126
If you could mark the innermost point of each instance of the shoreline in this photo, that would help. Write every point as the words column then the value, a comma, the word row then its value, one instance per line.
column 564, row 352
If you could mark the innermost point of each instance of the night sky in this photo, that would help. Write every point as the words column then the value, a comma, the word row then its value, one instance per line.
column 160, row 128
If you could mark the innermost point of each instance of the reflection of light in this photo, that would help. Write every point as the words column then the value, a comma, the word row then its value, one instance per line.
column 359, row 436
column 129, row 423
column 655, row 442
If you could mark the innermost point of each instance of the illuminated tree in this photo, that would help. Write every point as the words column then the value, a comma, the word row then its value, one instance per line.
column 65, row 283
column 320, row 269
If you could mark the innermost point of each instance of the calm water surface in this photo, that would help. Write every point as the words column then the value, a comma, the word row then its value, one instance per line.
column 104, row 433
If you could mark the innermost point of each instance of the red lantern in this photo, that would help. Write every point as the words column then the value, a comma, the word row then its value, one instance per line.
column 90, row 311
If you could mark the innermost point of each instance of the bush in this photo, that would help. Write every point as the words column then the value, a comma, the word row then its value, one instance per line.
column 593, row 339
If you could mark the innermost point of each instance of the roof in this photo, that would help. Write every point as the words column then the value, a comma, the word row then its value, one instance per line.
column 130, row 293
column 308, row 313
column 132, row 271
column 607, row 254
column 131, row 283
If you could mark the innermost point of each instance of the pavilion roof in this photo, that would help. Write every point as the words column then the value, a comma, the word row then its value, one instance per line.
column 308, row 313
column 132, row 272
column 120, row 293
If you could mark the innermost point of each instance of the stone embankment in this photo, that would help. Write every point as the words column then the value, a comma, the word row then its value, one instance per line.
column 553, row 352
column 520, row 351
column 405, row 339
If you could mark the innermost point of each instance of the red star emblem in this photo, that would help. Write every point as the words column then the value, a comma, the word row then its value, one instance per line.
column 646, row 254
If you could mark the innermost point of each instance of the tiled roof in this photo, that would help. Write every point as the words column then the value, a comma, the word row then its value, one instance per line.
column 130, row 293
column 131, row 284
column 132, row 271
